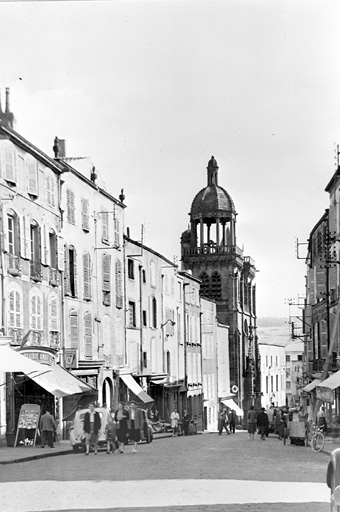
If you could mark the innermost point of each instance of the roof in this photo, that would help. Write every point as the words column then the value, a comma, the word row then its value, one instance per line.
column 211, row 200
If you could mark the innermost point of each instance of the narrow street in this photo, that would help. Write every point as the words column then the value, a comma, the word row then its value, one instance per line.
column 203, row 472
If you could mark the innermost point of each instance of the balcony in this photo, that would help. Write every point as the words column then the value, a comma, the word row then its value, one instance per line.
column 213, row 249
column 54, row 277
column 55, row 340
column 14, row 265
column 36, row 274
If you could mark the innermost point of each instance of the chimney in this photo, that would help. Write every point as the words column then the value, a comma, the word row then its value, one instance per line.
column 128, row 232
column 62, row 148
column 7, row 118
column 93, row 176
column 56, row 147
column 122, row 196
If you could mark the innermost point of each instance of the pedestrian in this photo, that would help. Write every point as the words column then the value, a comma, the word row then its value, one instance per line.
column 47, row 427
column 223, row 421
column 232, row 421
column 279, row 424
column 321, row 419
column 111, row 435
column 92, row 424
column 174, row 420
column 186, row 422
column 121, row 418
column 135, row 425
column 263, row 423
column 251, row 420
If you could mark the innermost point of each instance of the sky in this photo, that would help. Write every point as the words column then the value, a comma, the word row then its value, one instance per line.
column 149, row 90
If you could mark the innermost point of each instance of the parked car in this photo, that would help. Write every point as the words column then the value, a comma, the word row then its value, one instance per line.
column 333, row 479
column 77, row 431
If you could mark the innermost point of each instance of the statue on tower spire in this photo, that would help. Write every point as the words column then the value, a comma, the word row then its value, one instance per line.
column 212, row 171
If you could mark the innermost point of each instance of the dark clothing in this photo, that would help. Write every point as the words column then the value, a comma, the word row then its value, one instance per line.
column 263, row 423
column 47, row 426
column 134, row 433
column 47, row 438
column 96, row 424
column 122, row 426
column 186, row 422
column 232, row 421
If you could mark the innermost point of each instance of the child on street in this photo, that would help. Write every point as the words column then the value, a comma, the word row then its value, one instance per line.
column 111, row 435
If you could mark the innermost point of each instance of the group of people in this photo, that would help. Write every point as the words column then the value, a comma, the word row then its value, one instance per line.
column 227, row 421
column 124, row 423
column 175, row 420
column 258, row 421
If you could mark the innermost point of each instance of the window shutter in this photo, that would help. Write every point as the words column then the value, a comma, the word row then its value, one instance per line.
column 116, row 224
column 43, row 245
column 48, row 189
column 5, row 230
column 87, row 275
column 85, row 214
column 75, row 273
column 9, row 163
column 27, row 220
column 88, row 335
column 67, row 284
column 119, row 295
column 53, row 189
column 54, row 315
column 106, row 263
column 74, row 330
column 61, row 254
column 33, row 312
column 70, row 206
column 105, row 225
column 12, row 309
column 32, row 175
column 39, row 313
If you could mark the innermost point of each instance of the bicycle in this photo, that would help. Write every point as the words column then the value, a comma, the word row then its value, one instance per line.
column 317, row 441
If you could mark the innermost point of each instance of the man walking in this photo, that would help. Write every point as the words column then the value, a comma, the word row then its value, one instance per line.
column 47, row 427
column 186, row 422
column 232, row 421
column 223, row 423
column 263, row 423
column 92, row 424
column 174, row 420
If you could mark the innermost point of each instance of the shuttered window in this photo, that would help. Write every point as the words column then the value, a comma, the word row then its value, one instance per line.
column 87, row 275
column 50, row 190
column 70, row 274
column 85, row 219
column 74, row 329
column 36, row 313
column 116, row 228
column 32, row 176
column 88, row 335
column 9, row 163
column 70, row 206
column 15, row 309
column 105, row 226
column 119, row 287
column 106, row 276
column 53, row 315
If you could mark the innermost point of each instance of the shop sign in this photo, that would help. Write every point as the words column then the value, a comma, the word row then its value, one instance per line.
column 70, row 358
column 39, row 356
column 324, row 394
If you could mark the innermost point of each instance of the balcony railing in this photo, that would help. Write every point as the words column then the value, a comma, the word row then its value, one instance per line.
column 54, row 277
column 36, row 274
column 213, row 249
column 14, row 266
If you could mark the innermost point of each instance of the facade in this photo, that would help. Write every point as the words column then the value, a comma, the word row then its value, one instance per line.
column 294, row 373
column 215, row 363
column 210, row 251
column 273, row 374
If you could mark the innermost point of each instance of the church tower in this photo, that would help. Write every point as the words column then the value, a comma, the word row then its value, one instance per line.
column 210, row 251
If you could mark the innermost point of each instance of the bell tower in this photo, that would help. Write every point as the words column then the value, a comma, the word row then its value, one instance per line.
column 209, row 249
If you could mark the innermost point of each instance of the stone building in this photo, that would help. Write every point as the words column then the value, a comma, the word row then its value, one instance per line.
column 273, row 374
column 209, row 249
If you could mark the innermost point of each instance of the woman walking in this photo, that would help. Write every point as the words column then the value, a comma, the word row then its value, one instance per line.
column 121, row 418
column 251, row 418
column 135, row 425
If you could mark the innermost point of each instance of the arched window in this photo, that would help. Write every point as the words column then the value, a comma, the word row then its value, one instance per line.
column 53, row 314
column 205, row 285
column 119, row 287
column 216, row 286
column 12, row 244
column 88, row 335
column 87, row 275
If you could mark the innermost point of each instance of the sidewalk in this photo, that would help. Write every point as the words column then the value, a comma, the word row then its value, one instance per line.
column 26, row 453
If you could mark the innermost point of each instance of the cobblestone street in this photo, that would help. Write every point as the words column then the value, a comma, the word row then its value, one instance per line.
column 276, row 469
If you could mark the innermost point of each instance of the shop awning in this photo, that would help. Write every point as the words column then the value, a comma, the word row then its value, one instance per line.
column 232, row 405
column 136, row 389
column 312, row 385
column 12, row 361
column 59, row 382
column 332, row 382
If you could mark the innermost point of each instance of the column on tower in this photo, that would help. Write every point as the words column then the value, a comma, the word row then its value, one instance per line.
column 201, row 233
column 217, row 232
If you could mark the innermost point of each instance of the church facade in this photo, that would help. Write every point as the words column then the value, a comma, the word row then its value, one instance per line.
column 210, row 251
